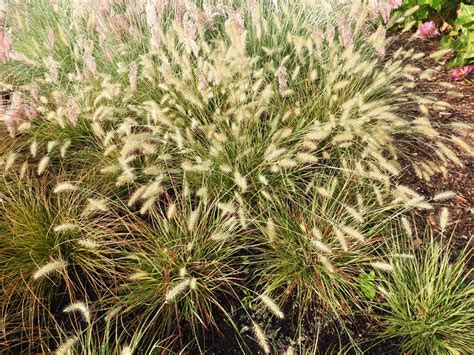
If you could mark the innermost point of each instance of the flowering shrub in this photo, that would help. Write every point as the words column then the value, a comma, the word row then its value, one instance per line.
column 433, row 16
column 442, row 10
column 461, row 38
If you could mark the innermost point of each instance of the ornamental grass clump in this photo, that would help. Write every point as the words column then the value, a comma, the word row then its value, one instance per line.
column 50, row 252
column 184, row 270
column 240, row 97
column 317, row 246
column 429, row 303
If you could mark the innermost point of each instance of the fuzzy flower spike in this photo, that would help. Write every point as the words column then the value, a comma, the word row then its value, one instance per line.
column 4, row 46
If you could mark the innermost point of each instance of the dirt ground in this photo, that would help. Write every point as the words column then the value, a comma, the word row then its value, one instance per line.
column 460, row 180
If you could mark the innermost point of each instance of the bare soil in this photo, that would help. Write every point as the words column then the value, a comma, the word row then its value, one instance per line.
column 459, row 179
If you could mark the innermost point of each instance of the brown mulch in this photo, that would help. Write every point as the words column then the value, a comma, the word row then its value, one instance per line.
column 458, row 179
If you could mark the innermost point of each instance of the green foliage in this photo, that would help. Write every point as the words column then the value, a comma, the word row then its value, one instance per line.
column 367, row 284
column 318, row 249
column 461, row 38
column 457, row 14
column 183, row 270
column 429, row 303
column 445, row 9
column 38, row 230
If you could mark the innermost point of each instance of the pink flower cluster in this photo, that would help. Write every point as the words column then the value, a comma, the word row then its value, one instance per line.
column 14, row 115
column 383, row 8
column 394, row 4
column 427, row 30
column 461, row 73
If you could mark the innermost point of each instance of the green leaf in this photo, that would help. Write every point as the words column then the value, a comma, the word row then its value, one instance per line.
column 458, row 44
column 367, row 285
column 422, row 13
column 466, row 16
column 446, row 42
column 436, row 4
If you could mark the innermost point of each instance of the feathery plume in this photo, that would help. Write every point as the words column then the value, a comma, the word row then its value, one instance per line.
column 460, row 143
column 240, row 181
column 351, row 232
column 10, row 160
column 326, row 263
column 50, row 40
column 193, row 219
column 126, row 350
column 95, row 205
column 88, row 244
column 23, row 169
column 271, row 230
column 289, row 351
column 382, row 266
column 317, row 233
column 81, row 308
column 153, row 190
column 64, row 148
column 407, row 227
column 49, row 268
column 403, row 256
column 34, row 148
column 14, row 116
column 282, row 76
column 147, row 205
column 202, row 192
column 136, row 195
column 53, row 68
column 330, row 34
column 355, row 214
column 66, row 346
column 443, row 196
column 220, row 236
column 64, row 186
column 73, row 110
column 176, row 290
column 132, row 76
column 443, row 219
column 64, row 227
column 193, row 284
column 261, row 338
column 341, row 238
column 5, row 51
column 272, row 306
column 151, row 16
column 345, row 32
column 43, row 164
column 137, row 276
column 321, row 246
column 171, row 212
column 384, row 11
